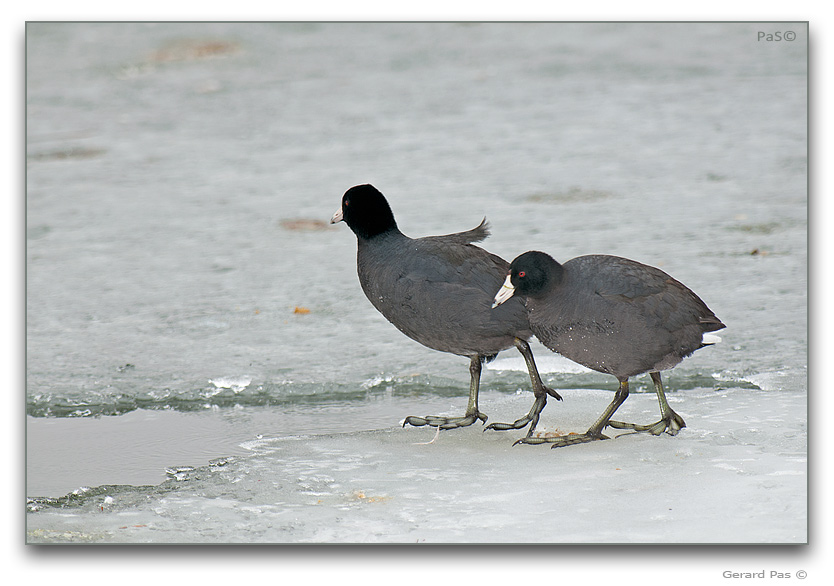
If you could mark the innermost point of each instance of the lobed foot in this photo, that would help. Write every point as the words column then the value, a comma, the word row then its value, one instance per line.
column 445, row 422
column 563, row 440
column 531, row 418
column 671, row 424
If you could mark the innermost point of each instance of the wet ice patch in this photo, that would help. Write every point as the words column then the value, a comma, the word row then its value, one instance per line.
column 767, row 381
column 236, row 384
column 777, row 380
column 375, row 381
column 179, row 472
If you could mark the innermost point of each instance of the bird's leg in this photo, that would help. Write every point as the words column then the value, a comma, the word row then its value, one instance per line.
column 670, row 421
column 539, row 391
column 472, row 413
column 538, row 386
column 594, row 432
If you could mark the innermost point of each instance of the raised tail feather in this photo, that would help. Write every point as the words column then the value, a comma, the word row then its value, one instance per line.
column 480, row 232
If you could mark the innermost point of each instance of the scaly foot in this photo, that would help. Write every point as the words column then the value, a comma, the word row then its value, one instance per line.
column 532, row 417
column 445, row 422
column 671, row 424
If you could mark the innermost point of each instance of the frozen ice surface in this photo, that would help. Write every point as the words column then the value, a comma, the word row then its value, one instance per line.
column 738, row 474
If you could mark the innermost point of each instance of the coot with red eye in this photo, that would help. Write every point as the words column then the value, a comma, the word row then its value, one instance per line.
column 437, row 290
column 611, row 315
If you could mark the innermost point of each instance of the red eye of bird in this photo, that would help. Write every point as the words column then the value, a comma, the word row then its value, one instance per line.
column 522, row 274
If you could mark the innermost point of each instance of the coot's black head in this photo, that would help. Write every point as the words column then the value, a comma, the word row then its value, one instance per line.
column 533, row 272
column 531, row 275
column 366, row 211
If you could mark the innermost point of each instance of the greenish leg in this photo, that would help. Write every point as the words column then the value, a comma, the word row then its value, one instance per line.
column 670, row 421
column 472, row 412
column 540, row 391
column 594, row 432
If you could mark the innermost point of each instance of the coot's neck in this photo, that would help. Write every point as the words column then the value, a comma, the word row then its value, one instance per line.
column 371, row 233
column 557, row 274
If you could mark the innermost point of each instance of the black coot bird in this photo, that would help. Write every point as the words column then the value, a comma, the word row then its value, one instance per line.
column 611, row 315
column 437, row 290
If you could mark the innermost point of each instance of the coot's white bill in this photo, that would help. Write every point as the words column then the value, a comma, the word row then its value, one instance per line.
column 504, row 293
column 337, row 217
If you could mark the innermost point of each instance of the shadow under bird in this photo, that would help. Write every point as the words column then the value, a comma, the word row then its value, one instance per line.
column 612, row 315
column 438, row 290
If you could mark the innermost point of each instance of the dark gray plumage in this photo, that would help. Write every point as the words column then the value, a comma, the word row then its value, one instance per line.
column 611, row 315
column 437, row 290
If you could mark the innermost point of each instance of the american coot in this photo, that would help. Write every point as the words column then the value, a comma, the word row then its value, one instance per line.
column 611, row 315
column 438, row 290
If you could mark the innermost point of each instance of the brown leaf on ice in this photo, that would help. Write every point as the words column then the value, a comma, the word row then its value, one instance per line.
column 304, row 225
column 191, row 50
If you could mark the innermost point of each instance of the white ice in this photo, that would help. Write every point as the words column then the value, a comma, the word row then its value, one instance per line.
column 736, row 474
